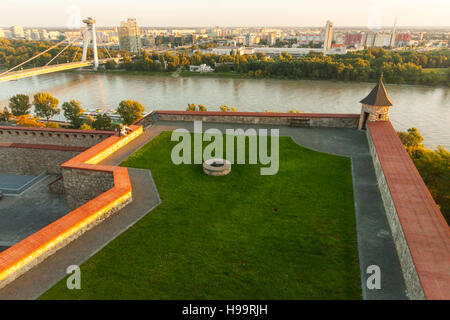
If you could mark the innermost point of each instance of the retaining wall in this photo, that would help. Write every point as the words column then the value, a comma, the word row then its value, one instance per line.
column 33, row 159
column 29, row 252
column 420, row 232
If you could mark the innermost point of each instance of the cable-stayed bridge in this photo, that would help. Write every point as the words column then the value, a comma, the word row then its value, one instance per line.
column 88, row 34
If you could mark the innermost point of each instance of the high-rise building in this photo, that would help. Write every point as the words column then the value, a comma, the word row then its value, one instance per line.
column 272, row 39
column 328, row 36
column 17, row 32
column 129, row 36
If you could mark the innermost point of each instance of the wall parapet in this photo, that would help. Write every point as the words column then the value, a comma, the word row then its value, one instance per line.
column 29, row 252
column 53, row 136
column 420, row 232
column 270, row 118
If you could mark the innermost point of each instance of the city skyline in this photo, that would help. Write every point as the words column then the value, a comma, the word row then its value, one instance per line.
column 177, row 13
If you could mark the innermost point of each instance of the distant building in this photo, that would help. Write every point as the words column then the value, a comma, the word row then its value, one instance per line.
column 201, row 68
column 328, row 36
column 249, row 39
column 17, row 32
column 129, row 36
column 272, row 39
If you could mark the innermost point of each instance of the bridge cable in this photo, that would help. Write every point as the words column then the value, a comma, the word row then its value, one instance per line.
column 57, row 54
column 38, row 55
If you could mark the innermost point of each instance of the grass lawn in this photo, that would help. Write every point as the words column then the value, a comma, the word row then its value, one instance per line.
column 243, row 236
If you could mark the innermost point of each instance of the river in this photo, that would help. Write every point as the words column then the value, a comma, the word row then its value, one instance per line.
column 426, row 108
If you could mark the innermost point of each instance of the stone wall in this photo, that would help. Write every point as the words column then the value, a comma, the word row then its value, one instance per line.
column 308, row 120
column 59, row 242
column 60, row 137
column 33, row 161
column 148, row 119
column 410, row 275
column 81, row 186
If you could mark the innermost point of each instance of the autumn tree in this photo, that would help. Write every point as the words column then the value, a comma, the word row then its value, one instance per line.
column 73, row 112
column 20, row 104
column 130, row 111
column 45, row 105
column 433, row 166
column 5, row 114
column 27, row 120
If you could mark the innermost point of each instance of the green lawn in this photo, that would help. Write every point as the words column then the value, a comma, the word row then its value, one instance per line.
column 242, row 236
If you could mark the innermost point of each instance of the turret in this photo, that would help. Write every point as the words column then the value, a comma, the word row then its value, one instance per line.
column 375, row 107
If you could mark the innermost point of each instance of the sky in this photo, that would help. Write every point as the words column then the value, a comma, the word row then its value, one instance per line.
column 189, row 13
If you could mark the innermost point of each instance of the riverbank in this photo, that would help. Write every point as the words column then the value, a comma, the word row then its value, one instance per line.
column 442, row 73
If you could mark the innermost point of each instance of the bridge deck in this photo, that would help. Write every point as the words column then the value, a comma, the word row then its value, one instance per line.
column 15, row 75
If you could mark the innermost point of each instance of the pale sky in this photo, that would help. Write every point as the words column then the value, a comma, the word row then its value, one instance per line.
column 60, row 13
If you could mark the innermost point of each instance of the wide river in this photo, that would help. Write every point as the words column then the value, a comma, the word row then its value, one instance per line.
column 426, row 108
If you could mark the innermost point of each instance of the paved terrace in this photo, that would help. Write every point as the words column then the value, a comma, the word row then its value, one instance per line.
column 375, row 243
column 24, row 214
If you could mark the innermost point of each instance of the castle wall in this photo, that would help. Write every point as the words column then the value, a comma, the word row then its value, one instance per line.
column 81, row 186
column 420, row 232
column 49, row 136
column 288, row 119
column 33, row 159
column 29, row 252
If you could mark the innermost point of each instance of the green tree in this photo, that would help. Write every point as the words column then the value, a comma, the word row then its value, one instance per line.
column 102, row 122
column 110, row 65
column 20, row 104
column 45, row 105
column 72, row 112
column 412, row 140
column 130, row 111
column 433, row 166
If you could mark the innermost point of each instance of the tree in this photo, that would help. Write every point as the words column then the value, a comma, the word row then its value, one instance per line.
column 191, row 107
column 73, row 112
column 27, row 120
column 433, row 166
column 19, row 104
column 110, row 65
column 412, row 140
column 102, row 122
column 5, row 115
column 45, row 105
column 130, row 111
column 85, row 126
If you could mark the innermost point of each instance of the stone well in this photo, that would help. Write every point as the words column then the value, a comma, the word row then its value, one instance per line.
column 217, row 167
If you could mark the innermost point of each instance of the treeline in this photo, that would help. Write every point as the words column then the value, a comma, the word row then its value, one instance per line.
column 433, row 166
column 367, row 65
column 14, row 52
column 46, row 106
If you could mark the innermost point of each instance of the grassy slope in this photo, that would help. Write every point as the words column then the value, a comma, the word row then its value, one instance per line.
column 221, row 238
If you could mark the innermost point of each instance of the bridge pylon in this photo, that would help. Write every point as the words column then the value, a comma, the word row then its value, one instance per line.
column 88, row 35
